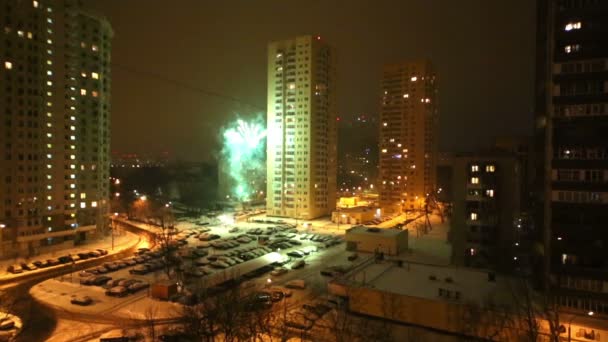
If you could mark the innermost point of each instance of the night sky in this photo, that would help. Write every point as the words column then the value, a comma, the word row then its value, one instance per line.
column 483, row 52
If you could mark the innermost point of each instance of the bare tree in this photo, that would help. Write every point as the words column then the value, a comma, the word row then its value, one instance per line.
column 150, row 317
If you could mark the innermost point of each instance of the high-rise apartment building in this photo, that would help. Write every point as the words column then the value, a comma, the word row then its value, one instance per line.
column 55, row 127
column 571, row 126
column 408, row 135
column 302, row 135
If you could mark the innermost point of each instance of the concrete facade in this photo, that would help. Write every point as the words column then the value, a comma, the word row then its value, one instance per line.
column 302, row 132
column 370, row 240
column 55, row 67
column 408, row 135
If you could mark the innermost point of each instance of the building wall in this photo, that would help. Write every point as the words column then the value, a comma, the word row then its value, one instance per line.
column 367, row 243
column 408, row 135
column 54, row 143
column 485, row 206
column 572, row 117
column 301, row 118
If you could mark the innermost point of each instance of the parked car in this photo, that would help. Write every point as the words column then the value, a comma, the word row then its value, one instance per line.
column 53, row 262
column 296, row 284
column 117, row 291
column 15, row 269
column 6, row 324
column 298, row 264
column 138, row 286
column 84, row 300
column 353, row 257
column 295, row 254
column 114, row 282
column 139, row 269
column 83, row 255
column 28, row 266
column 41, row 263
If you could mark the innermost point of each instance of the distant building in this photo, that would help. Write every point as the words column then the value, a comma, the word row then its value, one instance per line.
column 55, row 71
column 444, row 177
column 486, row 203
column 571, row 125
column 408, row 135
column 301, row 141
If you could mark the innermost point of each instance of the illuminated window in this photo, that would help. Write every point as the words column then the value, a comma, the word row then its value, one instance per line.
column 83, row 91
column 405, row 96
column 383, row 150
column 94, row 204
column 20, row 33
column 83, row 205
column 490, row 193
column 95, row 75
column 83, row 74
column 49, row 41
column 94, row 48
column 490, row 168
column 8, row 65
column 49, row 20
column 49, row 73
column 473, row 216
column 30, row 35
column 474, row 180
column 384, row 124
column 414, row 78
column 572, row 48
column 94, row 93
column 83, row 195
column 474, row 168
column 573, row 26
column 35, row 3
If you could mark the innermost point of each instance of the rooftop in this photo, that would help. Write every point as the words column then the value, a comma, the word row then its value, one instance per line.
column 372, row 231
column 424, row 281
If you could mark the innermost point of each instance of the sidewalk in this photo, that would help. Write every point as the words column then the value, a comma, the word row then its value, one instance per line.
column 122, row 240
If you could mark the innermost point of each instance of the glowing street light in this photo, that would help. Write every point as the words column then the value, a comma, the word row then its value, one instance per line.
column 143, row 198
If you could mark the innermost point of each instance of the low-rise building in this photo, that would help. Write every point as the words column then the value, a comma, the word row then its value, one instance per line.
column 355, row 215
column 376, row 240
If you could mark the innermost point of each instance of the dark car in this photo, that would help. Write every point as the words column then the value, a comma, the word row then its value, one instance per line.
column 15, row 269
column 102, row 251
column 83, row 255
column 138, row 286
column 28, row 266
column 140, row 269
column 295, row 254
column 84, row 300
column 53, row 262
column 65, row 259
column 41, row 264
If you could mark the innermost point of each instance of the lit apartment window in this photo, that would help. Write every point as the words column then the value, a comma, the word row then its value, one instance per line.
column 49, row 73
column 20, row 33
column 8, row 65
column 572, row 48
column 473, row 216
column 94, row 48
column 414, row 78
column 95, row 76
column 83, row 205
column 474, row 168
column 30, row 35
column 94, row 93
column 83, row 195
column 385, row 124
column 83, row 91
column 94, row 204
column 49, row 20
column 405, row 96
column 83, row 74
column 49, row 197
column 49, row 41
column 490, row 168
column 49, row 62
column 474, row 180
column 490, row 193
column 573, row 26
column 35, row 3
column 383, row 150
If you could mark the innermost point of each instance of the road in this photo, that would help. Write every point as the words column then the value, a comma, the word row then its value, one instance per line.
column 38, row 321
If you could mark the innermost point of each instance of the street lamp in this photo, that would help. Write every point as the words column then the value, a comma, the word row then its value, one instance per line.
column 589, row 313
column 112, row 225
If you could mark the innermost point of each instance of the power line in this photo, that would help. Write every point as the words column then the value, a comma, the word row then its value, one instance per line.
column 184, row 85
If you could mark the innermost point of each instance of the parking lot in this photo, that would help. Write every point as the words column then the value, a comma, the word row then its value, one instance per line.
column 271, row 256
